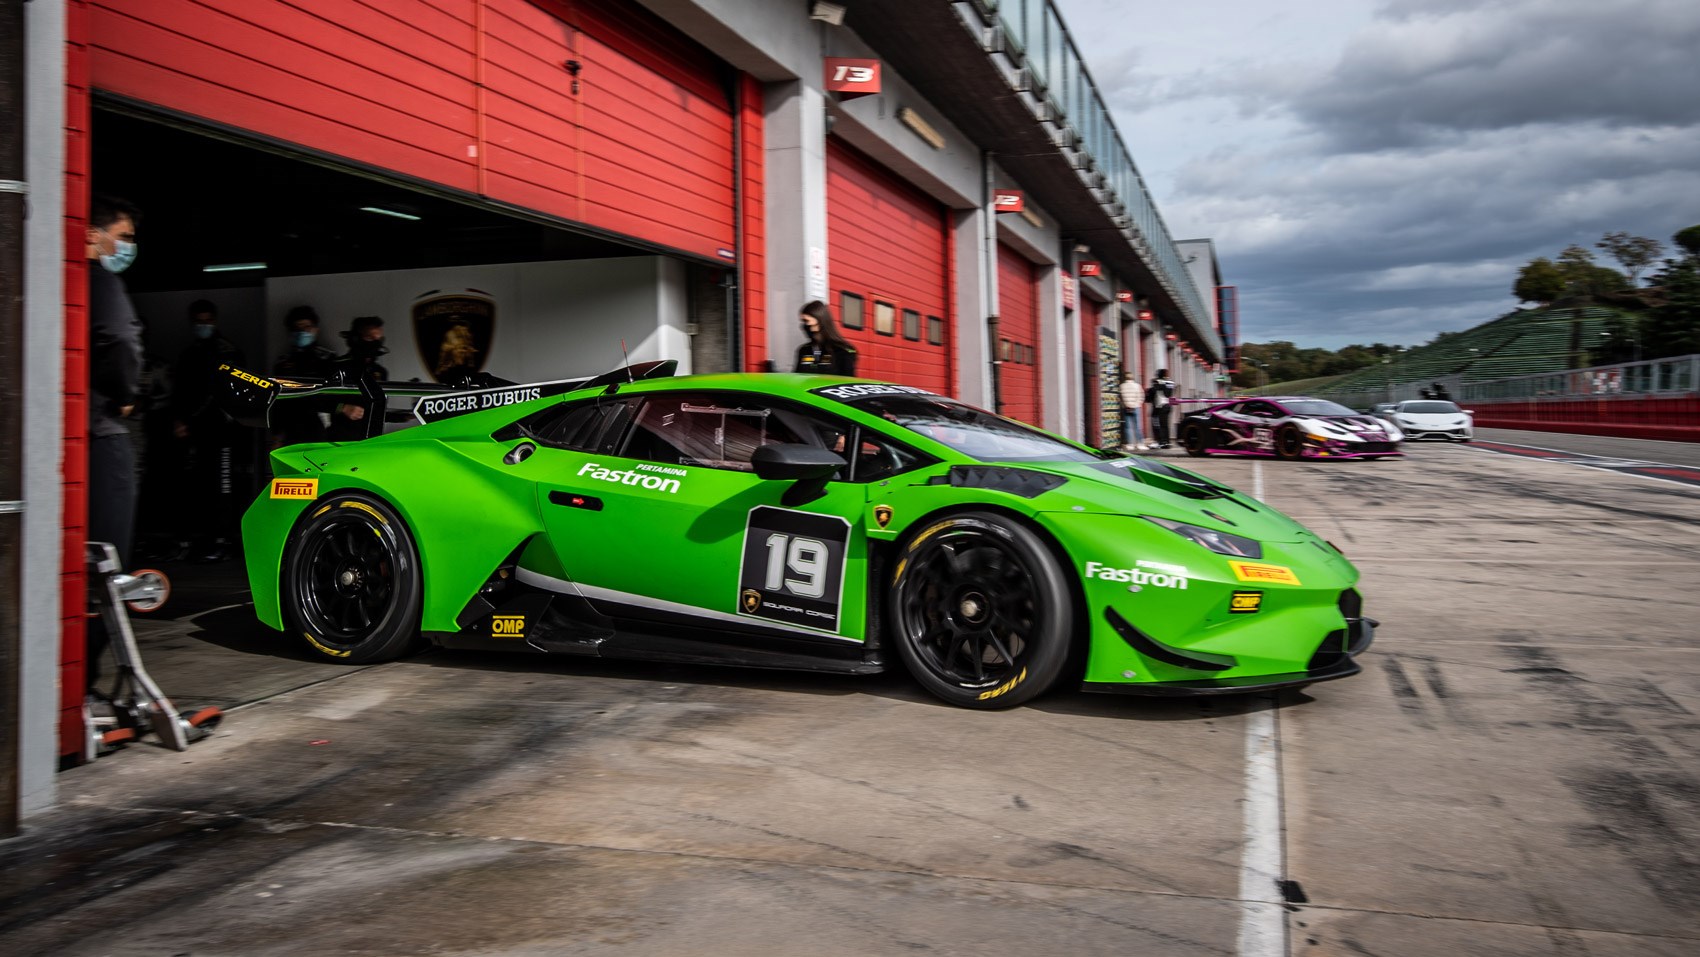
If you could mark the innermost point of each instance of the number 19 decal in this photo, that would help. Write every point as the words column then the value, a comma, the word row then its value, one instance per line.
column 793, row 567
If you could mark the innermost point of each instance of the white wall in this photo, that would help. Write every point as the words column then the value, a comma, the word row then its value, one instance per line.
column 554, row 320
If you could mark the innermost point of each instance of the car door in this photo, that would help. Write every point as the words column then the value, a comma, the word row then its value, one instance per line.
column 671, row 523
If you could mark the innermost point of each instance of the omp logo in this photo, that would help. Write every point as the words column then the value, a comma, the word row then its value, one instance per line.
column 1245, row 602
column 1257, row 572
column 507, row 626
column 1004, row 688
column 295, row 488
column 1166, row 576
column 620, row 477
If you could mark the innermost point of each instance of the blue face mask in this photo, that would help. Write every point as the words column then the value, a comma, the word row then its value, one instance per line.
column 121, row 258
column 204, row 330
column 303, row 339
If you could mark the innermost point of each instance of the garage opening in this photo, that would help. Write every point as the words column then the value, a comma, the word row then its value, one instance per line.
column 247, row 233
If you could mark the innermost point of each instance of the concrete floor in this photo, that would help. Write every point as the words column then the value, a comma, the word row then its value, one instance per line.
column 1512, row 774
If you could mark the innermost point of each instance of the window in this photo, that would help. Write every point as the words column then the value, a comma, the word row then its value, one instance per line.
column 704, row 428
column 935, row 330
column 911, row 325
column 885, row 318
column 850, row 310
column 1003, row 350
column 723, row 430
column 594, row 426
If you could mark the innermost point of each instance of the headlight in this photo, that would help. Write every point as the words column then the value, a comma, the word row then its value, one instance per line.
column 1221, row 543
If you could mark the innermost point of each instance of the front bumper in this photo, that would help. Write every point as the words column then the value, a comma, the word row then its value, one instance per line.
column 1333, row 659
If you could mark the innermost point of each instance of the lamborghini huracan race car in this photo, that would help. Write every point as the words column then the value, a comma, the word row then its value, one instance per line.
column 783, row 521
column 1287, row 427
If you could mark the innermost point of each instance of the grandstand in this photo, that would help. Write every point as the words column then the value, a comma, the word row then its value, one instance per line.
column 1522, row 342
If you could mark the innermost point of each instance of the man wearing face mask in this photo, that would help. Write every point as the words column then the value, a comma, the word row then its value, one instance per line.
column 209, row 494
column 115, row 368
column 294, row 422
column 365, row 337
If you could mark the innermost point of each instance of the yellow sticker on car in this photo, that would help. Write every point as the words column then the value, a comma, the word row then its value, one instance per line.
column 307, row 488
column 1262, row 573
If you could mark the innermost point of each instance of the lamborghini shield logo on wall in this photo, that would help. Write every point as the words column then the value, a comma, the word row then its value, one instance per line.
column 882, row 515
column 453, row 332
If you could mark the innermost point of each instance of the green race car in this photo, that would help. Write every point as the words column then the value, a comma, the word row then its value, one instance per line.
column 783, row 521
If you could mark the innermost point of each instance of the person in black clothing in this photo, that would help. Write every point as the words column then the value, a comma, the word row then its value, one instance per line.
column 294, row 422
column 115, row 369
column 365, row 338
column 210, row 435
column 1160, row 396
column 826, row 350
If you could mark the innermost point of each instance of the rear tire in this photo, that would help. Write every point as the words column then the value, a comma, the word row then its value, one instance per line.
column 351, row 583
column 1289, row 443
column 980, row 611
column 1195, row 438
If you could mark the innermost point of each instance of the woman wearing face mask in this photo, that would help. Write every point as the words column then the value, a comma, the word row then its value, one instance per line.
column 293, row 422
column 826, row 351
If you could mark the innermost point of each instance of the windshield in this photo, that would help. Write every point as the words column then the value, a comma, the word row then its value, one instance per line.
column 1316, row 407
column 974, row 433
column 1429, row 408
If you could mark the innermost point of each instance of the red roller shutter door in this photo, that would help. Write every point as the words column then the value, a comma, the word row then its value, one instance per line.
column 1018, row 336
column 474, row 96
column 889, row 260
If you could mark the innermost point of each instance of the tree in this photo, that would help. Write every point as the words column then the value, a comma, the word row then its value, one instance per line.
column 1689, row 240
column 1540, row 281
column 1673, row 328
column 1633, row 253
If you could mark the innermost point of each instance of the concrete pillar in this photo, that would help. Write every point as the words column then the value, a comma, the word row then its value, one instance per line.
column 795, row 143
column 973, row 292
column 44, row 362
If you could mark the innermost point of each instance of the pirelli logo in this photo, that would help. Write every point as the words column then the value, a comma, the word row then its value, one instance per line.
column 507, row 626
column 1264, row 574
column 295, row 488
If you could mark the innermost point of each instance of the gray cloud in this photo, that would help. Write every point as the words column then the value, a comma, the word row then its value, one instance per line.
column 1424, row 70
column 1385, row 183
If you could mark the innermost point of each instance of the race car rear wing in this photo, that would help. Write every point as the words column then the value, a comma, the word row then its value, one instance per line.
column 248, row 398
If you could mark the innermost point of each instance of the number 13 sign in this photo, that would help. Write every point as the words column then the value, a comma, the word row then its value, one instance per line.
column 852, row 76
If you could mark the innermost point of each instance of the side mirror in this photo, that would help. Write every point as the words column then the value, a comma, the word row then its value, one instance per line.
column 808, row 466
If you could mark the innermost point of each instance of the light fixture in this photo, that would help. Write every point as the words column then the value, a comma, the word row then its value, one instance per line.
column 233, row 267
column 921, row 127
column 829, row 13
column 398, row 214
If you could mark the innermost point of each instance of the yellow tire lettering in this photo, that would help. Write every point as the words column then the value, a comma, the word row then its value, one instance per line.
column 1004, row 688
column 334, row 653
column 369, row 510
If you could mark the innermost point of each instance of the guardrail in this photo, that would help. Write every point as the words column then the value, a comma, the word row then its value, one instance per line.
column 1656, row 377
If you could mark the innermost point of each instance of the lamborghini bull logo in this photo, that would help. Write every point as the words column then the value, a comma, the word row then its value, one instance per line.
column 453, row 333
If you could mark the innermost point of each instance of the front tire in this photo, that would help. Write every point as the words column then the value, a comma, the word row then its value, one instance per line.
column 351, row 582
column 1195, row 438
column 980, row 611
column 1289, row 443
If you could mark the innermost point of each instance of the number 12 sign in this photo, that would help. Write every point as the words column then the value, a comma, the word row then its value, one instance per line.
column 852, row 76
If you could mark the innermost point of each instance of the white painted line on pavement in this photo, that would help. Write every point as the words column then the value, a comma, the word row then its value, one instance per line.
column 1263, row 918
column 1257, row 480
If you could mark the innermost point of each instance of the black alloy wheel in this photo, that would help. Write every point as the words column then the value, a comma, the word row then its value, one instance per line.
column 981, row 612
column 1289, row 443
column 1195, row 438
column 351, row 581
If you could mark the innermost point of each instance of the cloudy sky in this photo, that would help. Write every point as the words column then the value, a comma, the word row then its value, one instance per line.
column 1377, row 170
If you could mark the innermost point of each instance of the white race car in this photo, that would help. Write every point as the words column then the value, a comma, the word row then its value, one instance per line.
column 1433, row 419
